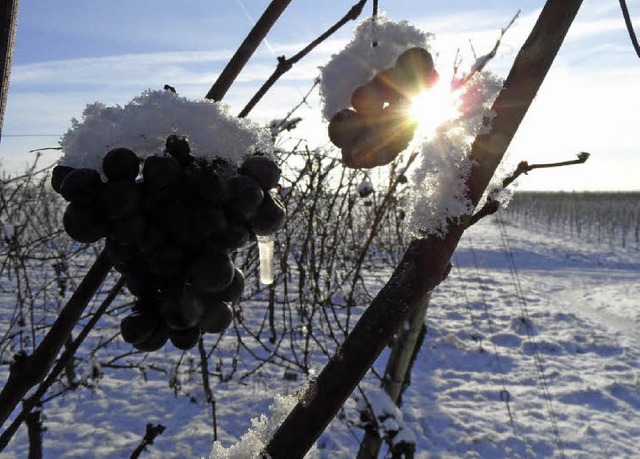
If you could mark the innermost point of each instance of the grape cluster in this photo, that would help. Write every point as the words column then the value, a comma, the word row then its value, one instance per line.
column 378, row 128
column 171, row 223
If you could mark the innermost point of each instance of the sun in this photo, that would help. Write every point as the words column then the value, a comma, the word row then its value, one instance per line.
column 432, row 107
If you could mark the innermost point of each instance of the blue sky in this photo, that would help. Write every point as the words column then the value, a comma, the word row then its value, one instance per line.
column 72, row 53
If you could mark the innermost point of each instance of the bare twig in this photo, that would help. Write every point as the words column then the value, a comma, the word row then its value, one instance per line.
column 66, row 357
column 30, row 370
column 426, row 261
column 152, row 432
column 246, row 49
column 629, row 24
column 204, row 369
column 284, row 64
column 492, row 205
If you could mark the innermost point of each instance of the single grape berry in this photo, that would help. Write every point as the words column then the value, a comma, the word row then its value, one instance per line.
column 366, row 100
column 415, row 64
column 269, row 217
column 236, row 235
column 57, row 176
column 178, row 147
column 185, row 339
column 235, row 289
column 82, row 224
column 388, row 84
column 217, row 315
column 209, row 220
column 160, row 171
column 263, row 170
column 180, row 307
column 120, row 199
column 138, row 326
column 243, row 195
column 81, row 186
column 156, row 340
column 121, row 164
column 344, row 127
column 166, row 261
column 211, row 271
column 128, row 230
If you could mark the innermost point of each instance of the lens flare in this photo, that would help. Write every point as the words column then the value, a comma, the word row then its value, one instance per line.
column 432, row 108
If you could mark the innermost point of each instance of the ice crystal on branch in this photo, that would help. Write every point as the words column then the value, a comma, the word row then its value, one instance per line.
column 144, row 123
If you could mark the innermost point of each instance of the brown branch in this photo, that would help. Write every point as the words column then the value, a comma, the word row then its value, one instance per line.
column 150, row 435
column 426, row 260
column 246, row 49
column 629, row 24
column 30, row 370
column 492, row 205
column 284, row 64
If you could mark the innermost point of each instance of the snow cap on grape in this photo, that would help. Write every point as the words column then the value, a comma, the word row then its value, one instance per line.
column 144, row 123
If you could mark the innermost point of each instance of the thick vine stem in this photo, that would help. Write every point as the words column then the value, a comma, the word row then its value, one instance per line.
column 425, row 263
column 30, row 370
column 8, row 24
column 284, row 64
column 246, row 49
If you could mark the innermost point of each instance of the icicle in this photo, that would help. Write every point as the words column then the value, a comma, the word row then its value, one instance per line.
column 265, row 248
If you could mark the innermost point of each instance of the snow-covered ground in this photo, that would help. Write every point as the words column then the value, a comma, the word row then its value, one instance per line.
column 532, row 350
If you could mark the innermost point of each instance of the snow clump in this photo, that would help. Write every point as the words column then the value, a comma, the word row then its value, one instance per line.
column 359, row 61
column 144, row 124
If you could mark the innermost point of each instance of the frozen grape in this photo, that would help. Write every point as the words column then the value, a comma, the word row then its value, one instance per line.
column 388, row 83
column 263, row 170
column 121, row 164
column 57, row 176
column 120, row 199
column 236, row 235
column 185, row 339
column 244, row 195
column 128, row 230
column 178, row 147
column 235, row 289
column 366, row 100
column 211, row 271
column 81, row 186
column 82, row 224
column 344, row 127
column 156, row 340
column 209, row 186
column 415, row 65
column 209, row 220
column 160, row 171
column 217, row 315
column 166, row 261
column 269, row 217
column 181, row 308
column 138, row 327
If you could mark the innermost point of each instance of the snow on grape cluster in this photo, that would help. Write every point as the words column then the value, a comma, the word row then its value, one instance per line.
column 379, row 126
column 171, row 222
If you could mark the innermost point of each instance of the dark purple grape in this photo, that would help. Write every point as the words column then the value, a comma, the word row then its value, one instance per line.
column 234, row 291
column 57, row 176
column 128, row 230
column 156, row 340
column 140, row 284
column 181, row 308
column 217, row 315
column 138, row 327
column 166, row 261
column 81, row 186
column 243, row 195
column 173, row 217
column 263, row 170
column 152, row 240
column 209, row 186
column 236, row 235
column 209, row 220
column 185, row 339
column 82, row 224
column 121, row 164
column 160, row 171
column 178, row 147
column 211, row 271
column 120, row 255
column 269, row 217
column 415, row 65
column 120, row 199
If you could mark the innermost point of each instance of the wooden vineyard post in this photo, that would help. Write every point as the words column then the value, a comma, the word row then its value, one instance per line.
column 8, row 25
column 426, row 261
